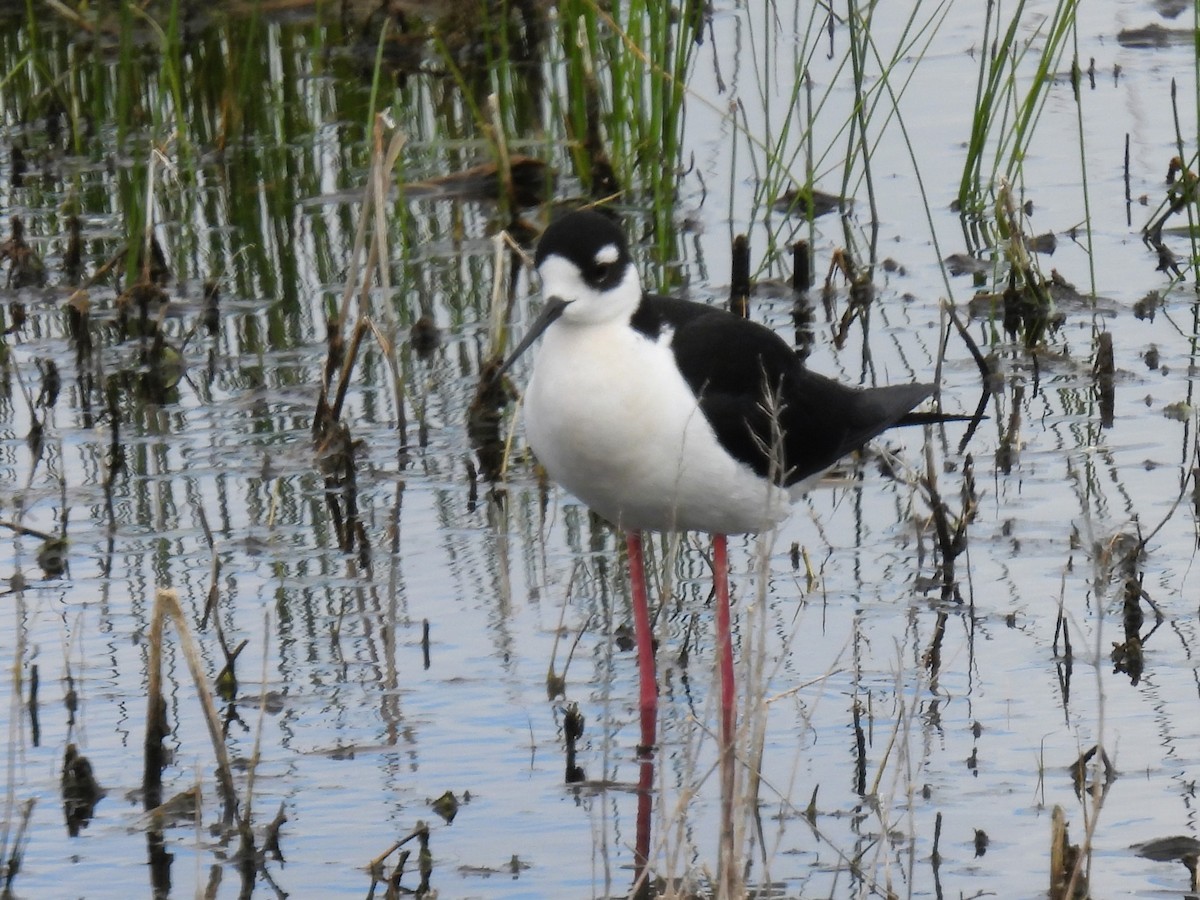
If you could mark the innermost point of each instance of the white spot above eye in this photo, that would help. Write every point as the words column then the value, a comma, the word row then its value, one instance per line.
column 608, row 254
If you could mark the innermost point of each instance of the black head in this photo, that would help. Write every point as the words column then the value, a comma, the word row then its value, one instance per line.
column 590, row 241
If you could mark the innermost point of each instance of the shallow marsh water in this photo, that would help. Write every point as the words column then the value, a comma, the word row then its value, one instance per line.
column 355, row 736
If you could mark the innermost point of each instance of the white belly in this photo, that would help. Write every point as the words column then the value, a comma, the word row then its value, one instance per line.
column 613, row 421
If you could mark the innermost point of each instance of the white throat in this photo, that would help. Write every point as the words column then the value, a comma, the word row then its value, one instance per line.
column 585, row 304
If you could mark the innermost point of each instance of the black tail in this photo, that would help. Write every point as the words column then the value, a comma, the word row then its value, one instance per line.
column 932, row 418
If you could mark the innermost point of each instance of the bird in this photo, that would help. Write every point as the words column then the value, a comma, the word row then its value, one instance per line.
column 665, row 414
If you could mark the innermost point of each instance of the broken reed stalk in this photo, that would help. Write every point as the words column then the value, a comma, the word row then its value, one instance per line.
column 148, row 221
column 11, row 864
column 739, row 282
column 360, row 329
column 1104, row 377
column 1061, row 865
column 376, row 864
column 11, row 852
column 376, row 259
column 421, row 833
column 167, row 605
column 500, row 307
column 503, row 159
column 801, row 267
column 247, row 850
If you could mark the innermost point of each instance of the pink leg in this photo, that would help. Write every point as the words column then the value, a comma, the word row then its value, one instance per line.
column 648, row 705
column 644, row 635
column 727, row 872
column 724, row 639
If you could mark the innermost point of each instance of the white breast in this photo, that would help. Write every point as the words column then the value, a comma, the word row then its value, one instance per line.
column 613, row 421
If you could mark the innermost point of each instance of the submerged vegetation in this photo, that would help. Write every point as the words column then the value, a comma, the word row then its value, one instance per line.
column 259, row 261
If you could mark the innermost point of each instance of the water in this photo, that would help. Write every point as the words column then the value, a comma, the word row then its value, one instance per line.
column 357, row 737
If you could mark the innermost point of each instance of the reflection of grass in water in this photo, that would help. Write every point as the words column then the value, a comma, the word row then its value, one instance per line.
column 234, row 108
column 1009, row 104
column 210, row 105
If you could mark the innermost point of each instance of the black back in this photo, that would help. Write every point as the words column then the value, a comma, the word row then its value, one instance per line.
column 734, row 365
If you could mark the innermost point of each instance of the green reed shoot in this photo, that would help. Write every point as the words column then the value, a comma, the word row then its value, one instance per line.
column 1006, row 114
column 641, row 53
column 1083, row 171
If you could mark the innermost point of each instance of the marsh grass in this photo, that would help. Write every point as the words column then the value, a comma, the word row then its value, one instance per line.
column 644, row 53
column 1009, row 97
column 1019, row 67
column 878, row 105
column 788, row 158
column 628, row 67
column 234, row 216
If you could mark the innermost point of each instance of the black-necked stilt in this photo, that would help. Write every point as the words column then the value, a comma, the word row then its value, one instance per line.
column 664, row 414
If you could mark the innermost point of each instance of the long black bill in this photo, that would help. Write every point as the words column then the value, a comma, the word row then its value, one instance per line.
column 551, row 311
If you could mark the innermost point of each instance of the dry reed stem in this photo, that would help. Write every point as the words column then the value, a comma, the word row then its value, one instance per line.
column 11, row 851
column 498, row 310
column 255, row 756
column 370, row 193
column 374, row 194
column 1058, row 852
column 343, row 386
column 377, row 261
column 503, row 161
column 167, row 605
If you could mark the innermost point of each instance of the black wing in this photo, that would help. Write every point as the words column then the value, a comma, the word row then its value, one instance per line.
column 767, row 409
